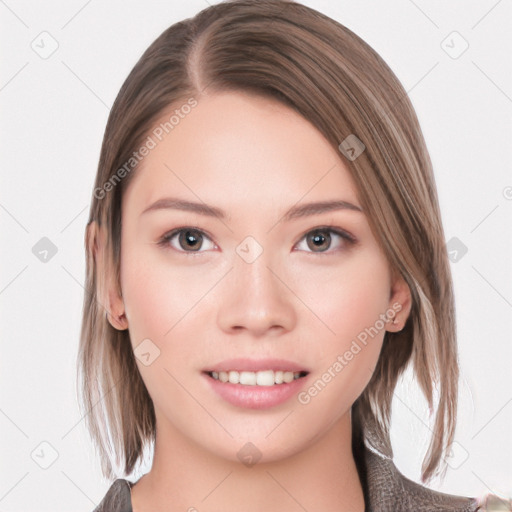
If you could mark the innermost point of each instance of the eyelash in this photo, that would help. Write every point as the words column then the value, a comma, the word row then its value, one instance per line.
column 165, row 239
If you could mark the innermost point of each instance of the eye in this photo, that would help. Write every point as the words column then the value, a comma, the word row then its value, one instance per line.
column 189, row 238
column 320, row 238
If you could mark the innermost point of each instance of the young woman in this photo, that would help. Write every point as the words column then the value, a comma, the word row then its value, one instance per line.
column 265, row 257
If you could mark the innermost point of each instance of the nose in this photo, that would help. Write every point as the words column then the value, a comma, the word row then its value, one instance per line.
column 256, row 298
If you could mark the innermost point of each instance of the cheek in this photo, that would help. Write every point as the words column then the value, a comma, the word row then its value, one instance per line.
column 347, row 298
column 350, row 304
column 161, row 301
column 148, row 296
column 145, row 301
column 159, row 308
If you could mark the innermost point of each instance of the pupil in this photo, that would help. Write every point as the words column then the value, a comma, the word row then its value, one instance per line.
column 319, row 238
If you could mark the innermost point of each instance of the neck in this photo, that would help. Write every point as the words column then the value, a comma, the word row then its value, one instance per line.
column 186, row 477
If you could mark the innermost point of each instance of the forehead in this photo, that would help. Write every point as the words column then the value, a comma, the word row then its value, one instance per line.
column 241, row 149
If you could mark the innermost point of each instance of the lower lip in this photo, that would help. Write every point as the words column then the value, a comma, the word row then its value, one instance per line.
column 256, row 397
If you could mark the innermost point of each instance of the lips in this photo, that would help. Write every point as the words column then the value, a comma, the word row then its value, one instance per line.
column 256, row 383
column 255, row 365
column 256, row 395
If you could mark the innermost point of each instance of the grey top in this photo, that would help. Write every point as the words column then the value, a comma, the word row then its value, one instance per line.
column 385, row 490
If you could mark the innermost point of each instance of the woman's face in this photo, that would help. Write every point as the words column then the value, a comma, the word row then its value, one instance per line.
column 255, row 284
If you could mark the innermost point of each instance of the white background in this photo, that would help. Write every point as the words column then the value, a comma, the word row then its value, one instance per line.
column 54, row 113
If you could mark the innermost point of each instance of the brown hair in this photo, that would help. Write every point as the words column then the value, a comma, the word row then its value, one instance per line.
column 287, row 51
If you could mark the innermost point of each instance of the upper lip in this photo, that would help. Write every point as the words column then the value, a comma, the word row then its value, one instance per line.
column 256, row 365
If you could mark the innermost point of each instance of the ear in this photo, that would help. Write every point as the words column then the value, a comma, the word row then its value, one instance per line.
column 400, row 302
column 108, row 292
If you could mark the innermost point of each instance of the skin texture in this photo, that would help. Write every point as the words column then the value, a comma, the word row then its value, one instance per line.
column 254, row 158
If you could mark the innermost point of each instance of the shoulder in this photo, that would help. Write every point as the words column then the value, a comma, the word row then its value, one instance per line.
column 389, row 490
column 424, row 497
column 117, row 498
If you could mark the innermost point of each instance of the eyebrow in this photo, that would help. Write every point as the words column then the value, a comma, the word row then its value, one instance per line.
column 295, row 212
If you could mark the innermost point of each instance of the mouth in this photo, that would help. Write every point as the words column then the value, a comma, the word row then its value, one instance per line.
column 260, row 378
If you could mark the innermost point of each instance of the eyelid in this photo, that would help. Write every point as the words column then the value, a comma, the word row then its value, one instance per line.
column 348, row 240
column 165, row 239
column 335, row 229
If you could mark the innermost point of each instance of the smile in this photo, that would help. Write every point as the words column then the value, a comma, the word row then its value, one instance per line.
column 263, row 389
column 260, row 378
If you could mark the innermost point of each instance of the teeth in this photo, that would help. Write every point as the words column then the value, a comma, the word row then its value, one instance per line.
column 263, row 378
